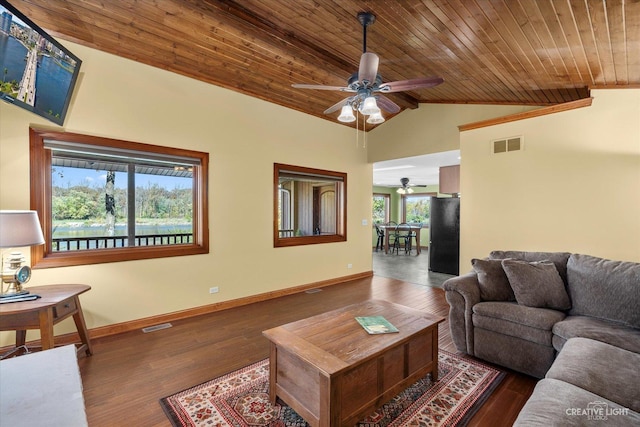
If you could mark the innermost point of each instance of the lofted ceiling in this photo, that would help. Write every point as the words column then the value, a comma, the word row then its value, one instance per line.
column 528, row 52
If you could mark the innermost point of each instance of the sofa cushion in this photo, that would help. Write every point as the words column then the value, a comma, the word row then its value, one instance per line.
column 600, row 368
column 492, row 280
column 508, row 318
column 536, row 284
column 605, row 289
column 514, row 353
column 558, row 258
column 557, row 403
column 597, row 329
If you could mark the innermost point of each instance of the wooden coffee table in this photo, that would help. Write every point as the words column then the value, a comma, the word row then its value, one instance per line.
column 333, row 373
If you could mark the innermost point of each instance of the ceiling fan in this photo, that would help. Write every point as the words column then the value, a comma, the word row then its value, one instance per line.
column 367, row 85
column 405, row 187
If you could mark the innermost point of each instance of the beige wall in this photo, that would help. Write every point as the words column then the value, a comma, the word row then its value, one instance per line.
column 575, row 187
column 432, row 128
column 122, row 99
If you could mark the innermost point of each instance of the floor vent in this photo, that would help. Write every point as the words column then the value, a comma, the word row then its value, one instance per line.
column 312, row 291
column 507, row 145
column 156, row 327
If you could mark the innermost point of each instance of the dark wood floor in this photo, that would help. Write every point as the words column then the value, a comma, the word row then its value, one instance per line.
column 129, row 373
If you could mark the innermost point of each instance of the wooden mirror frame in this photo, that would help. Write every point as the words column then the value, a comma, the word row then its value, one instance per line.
column 341, row 206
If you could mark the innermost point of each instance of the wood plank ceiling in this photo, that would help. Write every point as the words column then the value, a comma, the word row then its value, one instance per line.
column 529, row 52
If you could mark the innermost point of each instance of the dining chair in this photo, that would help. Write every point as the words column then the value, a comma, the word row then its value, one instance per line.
column 380, row 242
column 391, row 229
column 402, row 237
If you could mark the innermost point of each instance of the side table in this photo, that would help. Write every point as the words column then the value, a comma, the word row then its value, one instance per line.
column 56, row 303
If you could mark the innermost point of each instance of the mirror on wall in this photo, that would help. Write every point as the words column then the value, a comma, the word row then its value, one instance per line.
column 309, row 206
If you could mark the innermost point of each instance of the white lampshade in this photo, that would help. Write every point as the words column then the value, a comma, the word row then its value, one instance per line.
column 346, row 114
column 369, row 106
column 20, row 228
column 375, row 118
column 403, row 190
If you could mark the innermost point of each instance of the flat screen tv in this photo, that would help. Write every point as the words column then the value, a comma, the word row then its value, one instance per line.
column 37, row 72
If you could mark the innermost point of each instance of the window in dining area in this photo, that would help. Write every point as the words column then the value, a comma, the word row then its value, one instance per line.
column 381, row 203
column 416, row 208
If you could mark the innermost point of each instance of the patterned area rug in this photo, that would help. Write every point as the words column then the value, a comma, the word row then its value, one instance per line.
column 241, row 398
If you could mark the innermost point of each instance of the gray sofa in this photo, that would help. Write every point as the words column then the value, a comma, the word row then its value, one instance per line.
column 520, row 309
column 590, row 383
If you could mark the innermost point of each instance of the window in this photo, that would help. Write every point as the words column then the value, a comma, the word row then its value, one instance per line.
column 381, row 203
column 416, row 207
column 105, row 200
column 309, row 206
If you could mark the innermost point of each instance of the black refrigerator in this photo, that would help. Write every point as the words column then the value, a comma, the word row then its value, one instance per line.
column 444, row 231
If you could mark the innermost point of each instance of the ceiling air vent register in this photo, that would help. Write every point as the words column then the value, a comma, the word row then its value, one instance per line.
column 506, row 145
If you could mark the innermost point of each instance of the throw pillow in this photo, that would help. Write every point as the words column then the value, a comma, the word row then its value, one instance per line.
column 492, row 280
column 558, row 258
column 537, row 284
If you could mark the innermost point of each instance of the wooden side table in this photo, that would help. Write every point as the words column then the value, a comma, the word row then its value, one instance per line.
column 56, row 303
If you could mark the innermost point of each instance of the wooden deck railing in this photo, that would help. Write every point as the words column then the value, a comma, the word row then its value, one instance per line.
column 102, row 242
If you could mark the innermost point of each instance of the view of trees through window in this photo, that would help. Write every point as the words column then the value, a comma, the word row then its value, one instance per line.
column 380, row 208
column 416, row 208
column 95, row 202
column 107, row 200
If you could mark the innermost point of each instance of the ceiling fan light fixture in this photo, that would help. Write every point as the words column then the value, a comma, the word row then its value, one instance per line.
column 375, row 119
column 370, row 106
column 346, row 114
column 367, row 82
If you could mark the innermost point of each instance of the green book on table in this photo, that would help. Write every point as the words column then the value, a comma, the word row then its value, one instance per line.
column 376, row 325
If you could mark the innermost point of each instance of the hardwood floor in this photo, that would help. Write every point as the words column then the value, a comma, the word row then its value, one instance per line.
column 130, row 372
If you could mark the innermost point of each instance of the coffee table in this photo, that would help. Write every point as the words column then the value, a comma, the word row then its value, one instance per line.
column 333, row 373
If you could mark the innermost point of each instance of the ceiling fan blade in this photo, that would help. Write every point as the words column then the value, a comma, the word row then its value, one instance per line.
column 368, row 67
column 337, row 106
column 412, row 84
column 322, row 87
column 387, row 105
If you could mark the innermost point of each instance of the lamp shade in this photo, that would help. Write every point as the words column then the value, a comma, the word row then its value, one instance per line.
column 346, row 114
column 20, row 228
column 375, row 119
column 370, row 106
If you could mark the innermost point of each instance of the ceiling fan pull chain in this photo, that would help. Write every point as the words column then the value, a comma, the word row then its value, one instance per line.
column 357, row 129
column 364, row 136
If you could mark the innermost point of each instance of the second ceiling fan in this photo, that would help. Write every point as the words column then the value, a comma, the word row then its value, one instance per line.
column 367, row 85
column 405, row 187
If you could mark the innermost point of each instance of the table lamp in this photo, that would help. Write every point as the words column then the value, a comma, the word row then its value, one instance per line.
column 17, row 229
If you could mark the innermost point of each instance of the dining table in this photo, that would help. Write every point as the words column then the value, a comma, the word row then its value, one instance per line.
column 392, row 228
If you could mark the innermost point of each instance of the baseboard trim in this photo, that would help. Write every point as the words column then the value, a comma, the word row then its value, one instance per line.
column 119, row 328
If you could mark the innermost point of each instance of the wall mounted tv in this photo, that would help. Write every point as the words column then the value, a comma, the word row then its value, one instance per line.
column 37, row 72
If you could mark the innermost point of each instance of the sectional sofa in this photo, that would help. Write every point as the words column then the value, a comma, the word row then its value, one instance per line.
column 521, row 309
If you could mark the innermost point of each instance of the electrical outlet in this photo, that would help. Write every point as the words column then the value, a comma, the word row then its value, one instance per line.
column 214, row 290
column 349, row 265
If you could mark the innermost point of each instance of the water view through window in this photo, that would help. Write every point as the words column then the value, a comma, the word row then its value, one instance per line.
column 91, row 207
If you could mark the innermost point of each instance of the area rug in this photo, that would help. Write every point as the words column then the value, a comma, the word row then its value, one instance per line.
column 241, row 398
